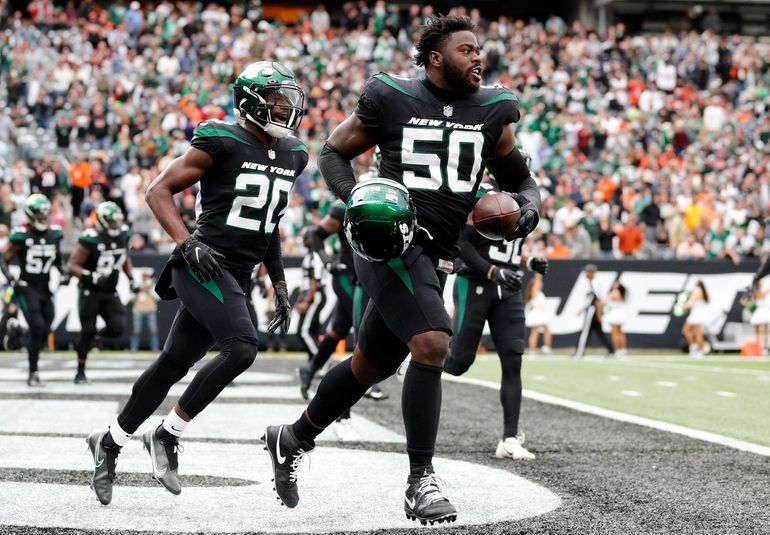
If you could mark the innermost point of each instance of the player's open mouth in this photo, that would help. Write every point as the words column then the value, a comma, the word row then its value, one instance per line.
column 476, row 74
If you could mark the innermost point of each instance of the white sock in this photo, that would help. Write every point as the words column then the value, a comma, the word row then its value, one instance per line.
column 174, row 424
column 119, row 436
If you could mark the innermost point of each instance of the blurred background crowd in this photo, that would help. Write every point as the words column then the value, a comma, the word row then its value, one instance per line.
column 646, row 146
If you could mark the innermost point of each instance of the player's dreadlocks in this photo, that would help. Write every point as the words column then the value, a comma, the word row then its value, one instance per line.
column 435, row 32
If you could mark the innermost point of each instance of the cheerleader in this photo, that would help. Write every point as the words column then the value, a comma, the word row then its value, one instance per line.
column 536, row 316
column 760, row 318
column 697, row 304
column 615, row 316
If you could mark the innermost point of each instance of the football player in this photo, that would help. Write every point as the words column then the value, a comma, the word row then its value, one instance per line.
column 101, row 254
column 246, row 171
column 312, row 298
column 436, row 135
column 37, row 247
column 487, row 289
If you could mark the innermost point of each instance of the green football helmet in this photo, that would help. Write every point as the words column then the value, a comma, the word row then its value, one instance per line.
column 380, row 219
column 266, row 94
column 109, row 218
column 37, row 208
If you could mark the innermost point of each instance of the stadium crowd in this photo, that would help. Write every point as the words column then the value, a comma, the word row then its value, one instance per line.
column 647, row 146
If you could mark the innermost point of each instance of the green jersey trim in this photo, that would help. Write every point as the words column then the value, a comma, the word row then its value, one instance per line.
column 217, row 132
column 398, row 266
column 498, row 98
column 385, row 78
column 299, row 148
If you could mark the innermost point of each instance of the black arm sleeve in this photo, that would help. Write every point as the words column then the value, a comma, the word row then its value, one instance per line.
column 337, row 172
column 512, row 175
column 475, row 264
column 764, row 269
column 317, row 238
column 273, row 259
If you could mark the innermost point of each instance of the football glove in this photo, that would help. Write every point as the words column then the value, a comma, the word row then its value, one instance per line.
column 507, row 278
column 64, row 278
column 335, row 265
column 282, row 315
column 102, row 281
column 538, row 264
column 528, row 220
column 201, row 259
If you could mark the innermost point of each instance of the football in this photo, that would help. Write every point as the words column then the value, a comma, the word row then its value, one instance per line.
column 495, row 215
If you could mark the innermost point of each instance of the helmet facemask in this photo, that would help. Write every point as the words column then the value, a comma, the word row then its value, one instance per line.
column 109, row 221
column 38, row 212
column 276, row 109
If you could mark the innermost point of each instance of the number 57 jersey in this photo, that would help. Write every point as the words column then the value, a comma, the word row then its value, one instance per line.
column 436, row 145
column 245, row 192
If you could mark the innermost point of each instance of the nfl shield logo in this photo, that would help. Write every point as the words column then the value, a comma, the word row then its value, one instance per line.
column 271, row 154
column 447, row 111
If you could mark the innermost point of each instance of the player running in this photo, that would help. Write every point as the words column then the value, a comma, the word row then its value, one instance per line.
column 246, row 171
column 101, row 254
column 436, row 135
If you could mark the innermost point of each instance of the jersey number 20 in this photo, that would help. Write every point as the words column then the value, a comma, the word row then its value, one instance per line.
column 259, row 191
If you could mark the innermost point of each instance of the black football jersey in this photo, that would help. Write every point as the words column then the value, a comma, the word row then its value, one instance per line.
column 106, row 255
column 36, row 252
column 436, row 148
column 337, row 211
column 501, row 253
column 245, row 192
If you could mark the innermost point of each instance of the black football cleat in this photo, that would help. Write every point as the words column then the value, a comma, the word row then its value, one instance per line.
column 286, row 453
column 165, row 460
column 80, row 377
column 424, row 501
column 105, row 460
column 305, row 378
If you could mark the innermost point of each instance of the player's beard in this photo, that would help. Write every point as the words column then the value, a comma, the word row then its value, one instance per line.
column 458, row 79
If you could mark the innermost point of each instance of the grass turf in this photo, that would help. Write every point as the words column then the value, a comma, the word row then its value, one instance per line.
column 724, row 395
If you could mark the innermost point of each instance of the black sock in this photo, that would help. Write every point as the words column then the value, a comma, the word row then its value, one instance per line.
column 81, row 367
column 325, row 350
column 421, row 406
column 510, row 393
column 338, row 391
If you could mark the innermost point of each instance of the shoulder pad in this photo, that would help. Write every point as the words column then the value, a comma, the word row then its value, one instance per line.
column 18, row 234
column 402, row 85
column 89, row 235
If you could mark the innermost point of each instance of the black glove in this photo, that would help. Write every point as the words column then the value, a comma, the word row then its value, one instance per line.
column 538, row 264
column 102, row 281
column 64, row 278
column 507, row 278
column 282, row 315
column 528, row 220
column 259, row 282
column 201, row 259
column 335, row 265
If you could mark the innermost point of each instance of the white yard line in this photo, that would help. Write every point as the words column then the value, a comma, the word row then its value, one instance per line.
column 627, row 418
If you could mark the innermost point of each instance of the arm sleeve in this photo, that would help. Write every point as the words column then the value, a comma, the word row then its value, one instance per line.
column 317, row 238
column 470, row 256
column 337, row 172
column 512, row 175
column 273, row 259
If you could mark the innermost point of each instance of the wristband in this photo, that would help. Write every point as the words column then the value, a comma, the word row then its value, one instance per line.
column 529, row 263
column 491, row 273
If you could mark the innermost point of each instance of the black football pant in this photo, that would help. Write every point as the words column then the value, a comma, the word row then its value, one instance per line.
column 37, row 305
column 218, row 312
column 479, row 301
column 93, row 303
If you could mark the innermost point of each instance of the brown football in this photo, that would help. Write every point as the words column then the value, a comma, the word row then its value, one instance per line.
column 495, row 215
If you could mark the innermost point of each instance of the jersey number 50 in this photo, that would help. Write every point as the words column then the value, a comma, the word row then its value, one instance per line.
column 259, row 188
column 458, row 181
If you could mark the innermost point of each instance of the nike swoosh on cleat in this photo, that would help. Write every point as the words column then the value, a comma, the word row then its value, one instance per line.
column 97, row 461
column 280, row 458
column 197, row 259
column 175, row 429
column 411, row 502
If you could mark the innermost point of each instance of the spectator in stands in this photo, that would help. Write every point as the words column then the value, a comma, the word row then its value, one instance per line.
column 630, row 237
column 145, row 312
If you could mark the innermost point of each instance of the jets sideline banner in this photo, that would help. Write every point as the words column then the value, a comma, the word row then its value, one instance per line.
column 652, row 287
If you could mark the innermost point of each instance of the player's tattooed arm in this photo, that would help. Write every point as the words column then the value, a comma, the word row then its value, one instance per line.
column 348, row 140
column 179, row 175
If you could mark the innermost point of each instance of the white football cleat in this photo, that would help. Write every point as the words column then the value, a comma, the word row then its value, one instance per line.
column 512, row 448
column 345, row 431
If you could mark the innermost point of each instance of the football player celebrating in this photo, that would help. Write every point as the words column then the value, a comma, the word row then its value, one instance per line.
column 487, row 289
column 37, row 247
column 436, row 134
column 101, row 254
column 246, row 171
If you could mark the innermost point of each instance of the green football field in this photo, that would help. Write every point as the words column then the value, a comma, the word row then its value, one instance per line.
column 720, row 394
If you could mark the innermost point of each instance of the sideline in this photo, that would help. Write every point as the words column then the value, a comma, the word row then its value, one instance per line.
column 625, row 417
